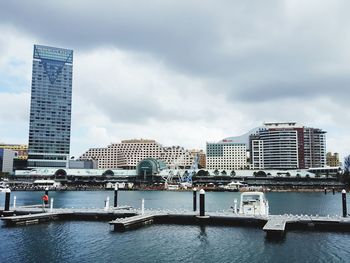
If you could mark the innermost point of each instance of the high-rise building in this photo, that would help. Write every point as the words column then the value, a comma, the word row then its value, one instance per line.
column 50, row 107
column 286, row 145
column 332, row 159
column 277, row 145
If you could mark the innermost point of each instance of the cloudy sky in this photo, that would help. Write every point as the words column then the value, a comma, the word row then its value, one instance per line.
column 183, row 72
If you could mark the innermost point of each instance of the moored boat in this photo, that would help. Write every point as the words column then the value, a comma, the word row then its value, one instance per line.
column 254, row 203
column 232, row 186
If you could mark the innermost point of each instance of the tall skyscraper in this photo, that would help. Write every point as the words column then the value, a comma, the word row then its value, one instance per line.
column 50, row 107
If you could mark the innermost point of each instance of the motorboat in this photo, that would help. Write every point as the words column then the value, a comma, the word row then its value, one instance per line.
column 121, row 186
column 232, row 186
column 172, row 187
column 3, row 186
column 43, row 184
column 254, row 203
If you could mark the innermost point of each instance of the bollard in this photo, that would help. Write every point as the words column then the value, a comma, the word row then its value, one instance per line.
column 143, row 206
column 343, row 194
column 14, row 202
column 51, row 205
column 201, row 202
column 107, row 203
column 333, row 190
column 7, row 199
column 235, row 207
column 325, row 190
column 194, row 199
column 116, row 195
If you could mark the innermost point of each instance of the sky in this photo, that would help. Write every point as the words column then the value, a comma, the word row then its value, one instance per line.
column 182, row 72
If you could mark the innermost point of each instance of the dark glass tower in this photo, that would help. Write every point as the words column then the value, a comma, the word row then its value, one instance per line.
column 50, row 107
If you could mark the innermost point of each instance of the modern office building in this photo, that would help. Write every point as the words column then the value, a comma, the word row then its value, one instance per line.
column 129, row 153
column 6, row 160
column 50, row 107
column 228, row 154
column 21, row 150
column 287, row 145
column 280, row 145
column 332, row 160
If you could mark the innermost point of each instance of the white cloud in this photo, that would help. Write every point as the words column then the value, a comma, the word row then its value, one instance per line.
column 185, row 74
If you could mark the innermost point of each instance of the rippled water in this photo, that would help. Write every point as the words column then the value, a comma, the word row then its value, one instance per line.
column 83, row 241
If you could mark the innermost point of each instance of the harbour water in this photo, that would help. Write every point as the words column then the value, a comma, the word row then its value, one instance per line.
column 86, row 241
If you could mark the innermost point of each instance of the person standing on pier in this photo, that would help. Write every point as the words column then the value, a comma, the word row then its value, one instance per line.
column 45, row 199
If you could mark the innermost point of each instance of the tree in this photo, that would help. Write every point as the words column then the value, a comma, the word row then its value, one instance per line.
column 4, row 175
column 202, row 173
column 224, row 173
column 233, row 173
column 298, row 175
column 345, row 178
column 287, row 174
column 327, row 174
column 260, row 174
column 216, row 172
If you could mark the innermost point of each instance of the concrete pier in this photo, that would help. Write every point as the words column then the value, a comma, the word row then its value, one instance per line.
column 124, row 218
column 36, row 214
column 275, row 227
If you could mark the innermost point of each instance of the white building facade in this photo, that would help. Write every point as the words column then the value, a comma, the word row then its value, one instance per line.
column 6, row 160
column 129, row 153
column 226, row 155
column 277, row 145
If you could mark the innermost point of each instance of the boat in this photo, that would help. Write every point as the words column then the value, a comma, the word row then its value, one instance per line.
column 246, row 188
column 254, row 203
column 3, row 186
column 232, row 186
column 43, row 184
column 121, row 186
column 172, row 187
column 185, row 185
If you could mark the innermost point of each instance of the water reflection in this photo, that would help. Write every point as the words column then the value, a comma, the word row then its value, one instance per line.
column 202, row 236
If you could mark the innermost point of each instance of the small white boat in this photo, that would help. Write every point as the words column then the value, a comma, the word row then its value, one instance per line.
column 121, row 186
column 50, row 184
column 185, row 185
column 173, row 187
column 3, row 186
column 254, row 203
column 233, row 186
